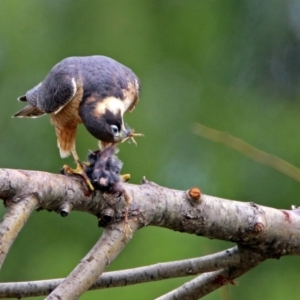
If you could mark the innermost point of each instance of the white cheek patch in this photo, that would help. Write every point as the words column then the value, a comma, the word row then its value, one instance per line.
column 127, row 103
column 100, row 108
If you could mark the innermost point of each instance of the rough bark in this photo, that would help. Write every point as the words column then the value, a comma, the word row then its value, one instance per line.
column 260, row 232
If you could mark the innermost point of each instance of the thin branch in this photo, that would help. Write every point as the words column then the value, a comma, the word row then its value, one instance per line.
column 13, row 221
column 187, row 267
column 248, row 150
column 208, row 282
column 111, row 243
column 169, row 270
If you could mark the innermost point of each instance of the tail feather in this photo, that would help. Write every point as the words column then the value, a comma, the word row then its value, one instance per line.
column 22, row 98
column 29, row 112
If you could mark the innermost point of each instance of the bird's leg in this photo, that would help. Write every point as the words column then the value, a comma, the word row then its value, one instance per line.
column 79, row 169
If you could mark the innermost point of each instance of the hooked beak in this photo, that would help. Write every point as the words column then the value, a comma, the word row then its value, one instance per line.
column 125, row 133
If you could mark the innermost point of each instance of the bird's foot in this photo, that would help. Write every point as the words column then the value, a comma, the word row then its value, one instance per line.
column 125, row 177
column 80, row 171
column 131, row 136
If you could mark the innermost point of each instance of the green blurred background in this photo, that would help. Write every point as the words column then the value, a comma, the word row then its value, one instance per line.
column 231, row 65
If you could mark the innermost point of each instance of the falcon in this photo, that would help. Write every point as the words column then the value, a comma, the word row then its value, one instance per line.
column 93, row 90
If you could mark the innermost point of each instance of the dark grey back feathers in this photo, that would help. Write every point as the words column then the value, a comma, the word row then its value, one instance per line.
column 98, row 74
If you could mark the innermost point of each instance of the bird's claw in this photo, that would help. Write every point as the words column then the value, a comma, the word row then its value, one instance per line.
column 80, row 171
column 125, row 177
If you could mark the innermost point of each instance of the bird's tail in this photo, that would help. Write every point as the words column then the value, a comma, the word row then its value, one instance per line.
column 22, row 98
column 29, row 112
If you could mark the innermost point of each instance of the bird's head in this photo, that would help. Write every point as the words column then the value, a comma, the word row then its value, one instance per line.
column 104, row 119
column 112, row 126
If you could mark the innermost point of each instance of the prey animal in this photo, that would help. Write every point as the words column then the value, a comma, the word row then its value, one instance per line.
column 93, row 90
column 103, row 169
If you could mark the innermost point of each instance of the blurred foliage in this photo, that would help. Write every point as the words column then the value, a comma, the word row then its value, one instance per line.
column 231, row 65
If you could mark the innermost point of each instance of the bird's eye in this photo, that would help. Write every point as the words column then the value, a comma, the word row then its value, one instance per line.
column 114, row 129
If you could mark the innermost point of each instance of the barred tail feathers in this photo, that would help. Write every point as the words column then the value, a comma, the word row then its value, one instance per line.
column 22, row 98
column 29, row 112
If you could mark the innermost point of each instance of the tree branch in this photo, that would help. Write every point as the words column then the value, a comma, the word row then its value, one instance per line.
column 248, row 150
column 94, row 263
column 243, row 223
column 208, row 282
column 13, row 221
column 187, row 267
column 258, row 229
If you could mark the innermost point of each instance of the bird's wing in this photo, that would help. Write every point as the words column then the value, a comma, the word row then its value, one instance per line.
column 59, row 87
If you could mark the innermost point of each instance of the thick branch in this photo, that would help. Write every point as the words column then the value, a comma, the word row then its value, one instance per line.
column 272, row 231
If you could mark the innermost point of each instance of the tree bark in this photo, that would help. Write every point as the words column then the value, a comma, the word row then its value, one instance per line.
column 260, row 232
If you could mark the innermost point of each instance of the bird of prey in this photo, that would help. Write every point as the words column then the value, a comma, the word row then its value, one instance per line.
column 93, row 90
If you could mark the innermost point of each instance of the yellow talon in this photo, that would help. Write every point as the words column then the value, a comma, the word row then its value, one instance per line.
column 80, row 171
column 125, row 177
